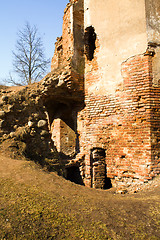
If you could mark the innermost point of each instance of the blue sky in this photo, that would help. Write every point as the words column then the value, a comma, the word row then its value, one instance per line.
column 47, row 15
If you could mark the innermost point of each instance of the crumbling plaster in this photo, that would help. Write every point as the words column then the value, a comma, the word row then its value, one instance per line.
column 153, row 35
column 121, row 30
column 153, row 20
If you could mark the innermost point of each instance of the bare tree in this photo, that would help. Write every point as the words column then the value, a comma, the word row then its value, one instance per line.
column 28, row 60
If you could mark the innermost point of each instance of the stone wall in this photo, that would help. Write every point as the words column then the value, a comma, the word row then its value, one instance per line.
column 27, row 115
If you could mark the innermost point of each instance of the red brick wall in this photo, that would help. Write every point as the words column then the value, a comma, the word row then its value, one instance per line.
column 155, row 129
column 124, row 124
column 67, row 34
column 64, row 53
column 69, row 47
column 92, row 71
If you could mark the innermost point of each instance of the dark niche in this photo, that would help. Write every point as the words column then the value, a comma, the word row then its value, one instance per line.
column 89, row 41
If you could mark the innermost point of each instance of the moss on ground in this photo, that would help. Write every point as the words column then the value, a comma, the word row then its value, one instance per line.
column 38, row 205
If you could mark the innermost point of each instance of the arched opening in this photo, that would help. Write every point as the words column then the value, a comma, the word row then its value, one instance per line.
column 62, row 124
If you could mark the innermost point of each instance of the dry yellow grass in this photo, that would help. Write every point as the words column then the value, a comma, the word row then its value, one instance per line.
column 35, row 204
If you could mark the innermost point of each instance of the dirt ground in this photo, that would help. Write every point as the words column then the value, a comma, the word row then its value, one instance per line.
column 36, row 204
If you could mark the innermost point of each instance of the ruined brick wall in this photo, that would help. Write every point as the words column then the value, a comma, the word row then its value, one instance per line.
column 99, row 108
column 121, row 113
column 69, row 55
column 155, row 114
column 57, row 59
column 126, row 125
column 64, row 45
column 69, row 47
column 27, row 115
column 118, row 58
column 118, row 37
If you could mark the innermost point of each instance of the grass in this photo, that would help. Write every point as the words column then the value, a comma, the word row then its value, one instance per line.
column 35, row 204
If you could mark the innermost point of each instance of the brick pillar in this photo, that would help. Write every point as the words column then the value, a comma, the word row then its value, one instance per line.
column 98, row 168
column 98, row 178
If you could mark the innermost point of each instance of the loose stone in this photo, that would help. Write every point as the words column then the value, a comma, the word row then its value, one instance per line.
column 41, row 123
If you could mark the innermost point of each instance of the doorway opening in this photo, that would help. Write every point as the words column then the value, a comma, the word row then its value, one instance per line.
column 73, row 174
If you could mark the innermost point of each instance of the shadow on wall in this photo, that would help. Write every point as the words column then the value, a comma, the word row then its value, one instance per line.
column 63, row 128
column 108, row 183
column 89, row 41
column 74, row 175
column 98, row 171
